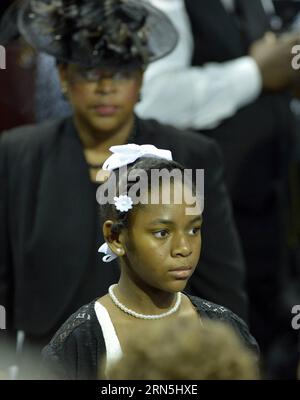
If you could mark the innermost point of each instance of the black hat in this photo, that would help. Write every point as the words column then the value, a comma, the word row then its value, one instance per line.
column 97, row 32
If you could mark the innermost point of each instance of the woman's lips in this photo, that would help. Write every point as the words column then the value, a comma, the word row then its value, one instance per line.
column 181, row 273
column 106, row 110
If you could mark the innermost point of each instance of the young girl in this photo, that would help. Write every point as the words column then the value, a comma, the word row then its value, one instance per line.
column 158, row 244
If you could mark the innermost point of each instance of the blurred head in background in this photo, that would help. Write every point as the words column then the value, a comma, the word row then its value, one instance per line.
column 179, row 350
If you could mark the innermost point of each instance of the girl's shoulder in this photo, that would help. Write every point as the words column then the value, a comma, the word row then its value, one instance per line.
column 80, row 321
column 214, row 311
column 74, row 349
column 210, row 309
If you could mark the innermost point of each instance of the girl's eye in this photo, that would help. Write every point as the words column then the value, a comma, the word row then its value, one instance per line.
column 161, row 234
column 194, row 231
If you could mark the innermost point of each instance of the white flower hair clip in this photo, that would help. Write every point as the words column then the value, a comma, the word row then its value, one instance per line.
column 123, row 203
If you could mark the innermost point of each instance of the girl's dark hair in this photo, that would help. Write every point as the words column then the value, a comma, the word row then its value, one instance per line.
column 147, row 164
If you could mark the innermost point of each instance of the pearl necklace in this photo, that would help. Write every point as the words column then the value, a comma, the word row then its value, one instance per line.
column 143, row 316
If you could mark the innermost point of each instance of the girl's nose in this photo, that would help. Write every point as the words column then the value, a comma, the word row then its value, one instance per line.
column 181, row 246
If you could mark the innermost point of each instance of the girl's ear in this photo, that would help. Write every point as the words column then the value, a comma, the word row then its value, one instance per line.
column 113, row 239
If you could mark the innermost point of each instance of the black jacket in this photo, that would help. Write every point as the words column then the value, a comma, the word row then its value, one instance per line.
column 50, row 233
column 78, row 347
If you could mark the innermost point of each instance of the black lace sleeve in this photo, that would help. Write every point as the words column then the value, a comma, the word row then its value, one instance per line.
column 76, row 348
column 54, row 365
column 242, row 329
column 220, row 313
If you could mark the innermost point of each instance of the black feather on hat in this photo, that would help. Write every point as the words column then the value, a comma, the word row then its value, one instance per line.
column 97, row 32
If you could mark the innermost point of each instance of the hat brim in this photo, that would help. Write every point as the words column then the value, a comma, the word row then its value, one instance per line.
column 162, row 37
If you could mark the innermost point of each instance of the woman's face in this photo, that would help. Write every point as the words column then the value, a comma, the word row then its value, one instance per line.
column 162, row 245
column 102, row 99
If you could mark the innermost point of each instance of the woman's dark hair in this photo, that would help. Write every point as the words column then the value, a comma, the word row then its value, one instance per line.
column 147, row 164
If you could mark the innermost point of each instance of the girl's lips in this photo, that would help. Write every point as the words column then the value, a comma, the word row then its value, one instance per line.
column 181, row 273
column 106, row 110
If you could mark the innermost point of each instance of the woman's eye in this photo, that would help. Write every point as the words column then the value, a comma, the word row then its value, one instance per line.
column 194, row 231
column 161, row 234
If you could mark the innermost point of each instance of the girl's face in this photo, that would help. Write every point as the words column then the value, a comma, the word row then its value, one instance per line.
column 162, row 246
column 102, row 99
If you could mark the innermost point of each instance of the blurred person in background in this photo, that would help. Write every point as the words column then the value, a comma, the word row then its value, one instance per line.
column 42, row 73
column 17, row 80
column 186, row 350
column 232, row 80
column 49, row 232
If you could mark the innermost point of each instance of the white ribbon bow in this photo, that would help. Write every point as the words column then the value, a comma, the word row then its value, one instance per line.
column 109, row 254
column 128, row 153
